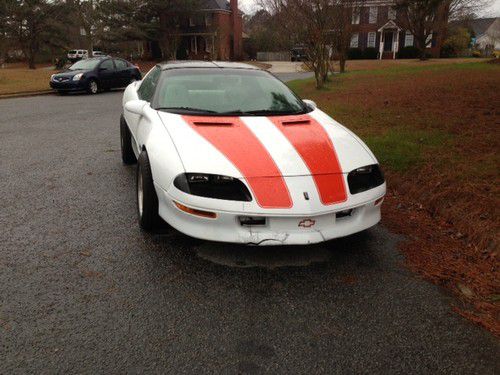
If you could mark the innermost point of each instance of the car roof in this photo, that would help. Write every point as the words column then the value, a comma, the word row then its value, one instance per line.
column 205, row 64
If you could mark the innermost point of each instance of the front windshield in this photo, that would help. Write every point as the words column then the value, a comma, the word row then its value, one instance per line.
column 225, row 92
column 88, row 64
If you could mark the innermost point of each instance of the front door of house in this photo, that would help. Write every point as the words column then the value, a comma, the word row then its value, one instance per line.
column 388, row 38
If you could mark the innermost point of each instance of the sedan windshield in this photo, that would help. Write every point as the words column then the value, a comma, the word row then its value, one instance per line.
column 225, row 92
column 88, row 64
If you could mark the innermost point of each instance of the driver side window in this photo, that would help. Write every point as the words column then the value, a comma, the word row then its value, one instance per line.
column 148, row 85
column 108, row 65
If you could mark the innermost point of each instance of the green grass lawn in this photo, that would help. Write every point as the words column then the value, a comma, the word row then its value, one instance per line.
column 407, row 114
column 17, row 79
column 435, row 130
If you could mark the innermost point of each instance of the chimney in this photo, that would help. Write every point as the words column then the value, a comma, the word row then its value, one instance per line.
column 234, row 6
column 237, row 30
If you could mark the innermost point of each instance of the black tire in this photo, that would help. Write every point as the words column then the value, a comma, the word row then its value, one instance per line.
column 147, row 202
column 92, row 87
column 62, row 93
column 128, row 156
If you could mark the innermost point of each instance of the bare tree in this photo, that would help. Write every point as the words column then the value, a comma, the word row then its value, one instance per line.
column 6, row 9
column 167, row 16
column 32, row 25
column 310, row 22
column 341, row 31
column 422, row 18
column 465, row 9
column 88, row 13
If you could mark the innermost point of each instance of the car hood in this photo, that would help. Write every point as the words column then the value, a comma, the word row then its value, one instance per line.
column 311, row 144
column 70, row 73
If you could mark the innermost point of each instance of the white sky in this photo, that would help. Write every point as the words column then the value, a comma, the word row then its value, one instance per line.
column 249, row 6
column 493, row 10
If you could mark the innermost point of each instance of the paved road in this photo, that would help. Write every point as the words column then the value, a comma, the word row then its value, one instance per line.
column 83, row 290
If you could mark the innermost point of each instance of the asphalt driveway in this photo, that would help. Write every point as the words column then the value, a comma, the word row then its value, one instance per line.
column 82, row 290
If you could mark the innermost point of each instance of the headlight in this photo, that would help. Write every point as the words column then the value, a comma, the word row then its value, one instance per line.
column 213, row 186
column 77, row 77
column 365, row 178
column 52, row 77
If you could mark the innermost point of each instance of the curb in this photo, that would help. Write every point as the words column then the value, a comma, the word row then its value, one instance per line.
column 26, row 94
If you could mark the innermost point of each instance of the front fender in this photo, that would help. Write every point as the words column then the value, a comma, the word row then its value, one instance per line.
column 163, row 156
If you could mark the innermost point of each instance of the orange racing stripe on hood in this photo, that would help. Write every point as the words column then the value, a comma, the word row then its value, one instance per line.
column 316, row 149
column 241, row 147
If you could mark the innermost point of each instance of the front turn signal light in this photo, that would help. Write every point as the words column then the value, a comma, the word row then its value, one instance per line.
column 193, row 211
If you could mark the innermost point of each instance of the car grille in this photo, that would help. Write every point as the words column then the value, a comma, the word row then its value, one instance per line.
column 61, row 79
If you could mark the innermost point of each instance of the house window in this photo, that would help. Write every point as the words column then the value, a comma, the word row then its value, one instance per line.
column 391, row 13
column 194, row 45
column 356, row 12
column 209, row 43
column 354, row 40
column 428, row 41
column 208, row 20
column 82, row 31
column 373, row 15
column 191, row 22
column 408, row 39
column 371, row 39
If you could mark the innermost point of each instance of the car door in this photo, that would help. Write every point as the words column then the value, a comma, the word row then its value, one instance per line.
column 123, row 72
column 145, row 91
column 107, row 74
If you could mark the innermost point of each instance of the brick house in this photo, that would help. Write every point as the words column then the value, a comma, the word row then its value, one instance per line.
column 214, row 32
column 377, row 24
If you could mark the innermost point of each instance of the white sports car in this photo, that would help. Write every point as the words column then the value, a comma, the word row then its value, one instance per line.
column 227, row 152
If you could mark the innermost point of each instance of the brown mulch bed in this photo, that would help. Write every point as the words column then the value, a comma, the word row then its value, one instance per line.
column 447, row 206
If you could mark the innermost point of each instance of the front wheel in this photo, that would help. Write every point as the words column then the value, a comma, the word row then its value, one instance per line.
column 128, row 156
column 92, row 87
column 147, row 200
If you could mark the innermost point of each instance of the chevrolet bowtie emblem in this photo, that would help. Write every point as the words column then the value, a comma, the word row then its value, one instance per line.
column 307, row 223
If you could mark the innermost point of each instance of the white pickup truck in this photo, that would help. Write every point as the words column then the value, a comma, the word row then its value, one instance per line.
column 80, row 54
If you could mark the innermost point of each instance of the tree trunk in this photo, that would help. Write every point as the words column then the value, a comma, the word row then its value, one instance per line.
column 319, row 78
column 423, row 55
column 31, row 60
column 342, row 61
column 326, row 70
column 31, row 56
column 90, row 45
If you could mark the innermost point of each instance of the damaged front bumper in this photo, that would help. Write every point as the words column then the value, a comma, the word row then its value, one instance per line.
column 277, row 229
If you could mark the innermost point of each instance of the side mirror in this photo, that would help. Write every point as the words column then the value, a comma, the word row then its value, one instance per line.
column 136, row 107
column 311, row 104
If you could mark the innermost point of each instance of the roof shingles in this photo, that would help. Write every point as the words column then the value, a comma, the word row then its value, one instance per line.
column 216, row 5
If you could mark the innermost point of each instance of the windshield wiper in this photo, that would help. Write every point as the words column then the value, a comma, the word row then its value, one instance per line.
column 237, row 112
column 262, row 112
column 189, row 109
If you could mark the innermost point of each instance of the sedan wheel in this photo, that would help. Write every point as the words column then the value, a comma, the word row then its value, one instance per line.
column 93, row 87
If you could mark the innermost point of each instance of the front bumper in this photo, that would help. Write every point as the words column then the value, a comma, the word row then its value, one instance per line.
column 69, row 85
column 279, row 229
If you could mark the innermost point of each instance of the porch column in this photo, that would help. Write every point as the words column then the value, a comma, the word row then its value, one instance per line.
column 396, row 44
column 381, row 48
